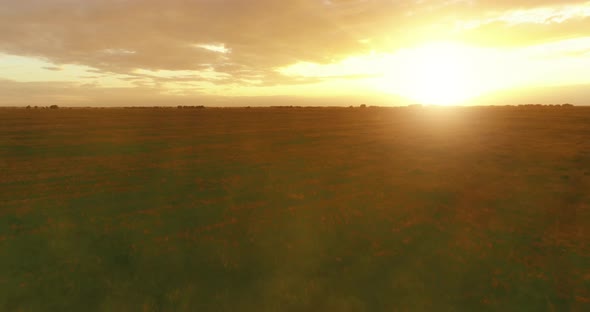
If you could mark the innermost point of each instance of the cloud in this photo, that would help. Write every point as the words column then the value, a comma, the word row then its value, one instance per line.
column 13, row 93
column 501, row 34
column 574, row 94
column 53, row 68
column 245, row 42
column 83, row 95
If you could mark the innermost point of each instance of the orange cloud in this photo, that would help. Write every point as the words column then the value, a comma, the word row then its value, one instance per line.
column 247, row 42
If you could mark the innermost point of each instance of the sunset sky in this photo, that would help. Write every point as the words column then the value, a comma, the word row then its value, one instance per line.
column 248, row 52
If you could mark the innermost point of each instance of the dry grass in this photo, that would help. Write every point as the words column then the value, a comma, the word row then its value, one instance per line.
column 295, row 209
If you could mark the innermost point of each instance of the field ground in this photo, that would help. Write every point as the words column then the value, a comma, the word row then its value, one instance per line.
column 339, row 209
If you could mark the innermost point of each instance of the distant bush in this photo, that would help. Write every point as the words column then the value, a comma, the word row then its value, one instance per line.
column 363, row 105
column 53, row 107
column 190, row 107
column 28, row 106
column 545, row 105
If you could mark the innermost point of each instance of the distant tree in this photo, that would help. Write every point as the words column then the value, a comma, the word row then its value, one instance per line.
column 567, row 105
column 36, row 107
column 28, row 106
column 53, row 107
column 363, row 105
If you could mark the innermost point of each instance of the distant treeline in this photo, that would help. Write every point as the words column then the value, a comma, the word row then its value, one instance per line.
column 298, row 106
column 190, row 107
column 546, row 105
column 499, row 106
column 163, row 107
column 305, row 107
column 42, row 107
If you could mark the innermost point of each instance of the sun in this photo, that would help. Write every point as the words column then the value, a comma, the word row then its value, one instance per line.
column 438, row 73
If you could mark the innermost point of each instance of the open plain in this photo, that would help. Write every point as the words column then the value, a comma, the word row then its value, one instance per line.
column 295, row 209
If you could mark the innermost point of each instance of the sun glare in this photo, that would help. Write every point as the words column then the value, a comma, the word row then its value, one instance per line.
column 436, row 73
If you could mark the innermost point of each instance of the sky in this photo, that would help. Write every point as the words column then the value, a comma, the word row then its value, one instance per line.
column 269, row 52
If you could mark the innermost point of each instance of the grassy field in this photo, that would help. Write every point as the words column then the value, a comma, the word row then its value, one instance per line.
column 334, row 209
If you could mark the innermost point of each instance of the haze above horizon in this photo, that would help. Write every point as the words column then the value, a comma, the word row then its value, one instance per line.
column 233, row 52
